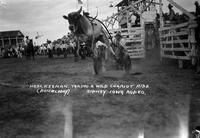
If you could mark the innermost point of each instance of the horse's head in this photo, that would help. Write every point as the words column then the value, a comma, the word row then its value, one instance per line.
column 73, row 19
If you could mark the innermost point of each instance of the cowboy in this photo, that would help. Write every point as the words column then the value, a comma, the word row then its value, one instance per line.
column 120, row 48
column 119, row 41
column 20, row 51
column 32, row 51
column 197, row 13
column 171, row 13
column 27, row 41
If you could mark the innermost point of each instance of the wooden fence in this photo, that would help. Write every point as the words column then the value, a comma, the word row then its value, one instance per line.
column 134, row 40
column 178, row 42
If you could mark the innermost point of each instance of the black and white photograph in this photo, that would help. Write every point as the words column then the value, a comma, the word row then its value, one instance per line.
column 99, row 68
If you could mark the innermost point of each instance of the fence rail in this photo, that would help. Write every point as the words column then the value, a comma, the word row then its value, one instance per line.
column 178, row 42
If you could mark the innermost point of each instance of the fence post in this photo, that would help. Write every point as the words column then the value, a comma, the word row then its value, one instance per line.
column 192, row 43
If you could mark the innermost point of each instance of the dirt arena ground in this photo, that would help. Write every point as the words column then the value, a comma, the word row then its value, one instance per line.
column 162, row 112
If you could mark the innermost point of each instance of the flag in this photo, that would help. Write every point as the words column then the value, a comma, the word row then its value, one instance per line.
column 80, row 2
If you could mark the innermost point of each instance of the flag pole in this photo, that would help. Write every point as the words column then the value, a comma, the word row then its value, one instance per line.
column 79, row 2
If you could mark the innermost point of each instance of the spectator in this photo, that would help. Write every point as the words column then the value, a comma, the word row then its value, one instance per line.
column 32, row 50
column 27, row 51
column 119, row 41
column 50, row 49
column 197, row 13
column 171, row 13
column 2, row 52
column 20, row 51
column 27, row 40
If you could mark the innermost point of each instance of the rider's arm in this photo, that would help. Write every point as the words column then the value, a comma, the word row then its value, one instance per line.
column 123, row 43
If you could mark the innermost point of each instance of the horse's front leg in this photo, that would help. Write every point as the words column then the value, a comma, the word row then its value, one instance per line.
column 98, row 60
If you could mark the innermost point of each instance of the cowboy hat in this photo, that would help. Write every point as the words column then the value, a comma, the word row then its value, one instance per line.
column 170, row 6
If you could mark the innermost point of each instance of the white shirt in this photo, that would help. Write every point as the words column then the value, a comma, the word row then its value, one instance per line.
column 99, row 43
column 49, row 46
column 133, row 18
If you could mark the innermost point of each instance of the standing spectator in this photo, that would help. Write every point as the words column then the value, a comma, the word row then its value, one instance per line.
column 31, row 48
column 27, row 49
column 120, row 48
column 50, row 49
column 2, row 52
column 20, row 51
column 9, row 52
column 119, row 41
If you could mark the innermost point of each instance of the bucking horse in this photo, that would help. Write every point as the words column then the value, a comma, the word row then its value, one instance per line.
column 83, row 26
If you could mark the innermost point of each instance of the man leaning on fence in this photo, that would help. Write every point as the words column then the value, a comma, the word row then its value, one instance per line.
column 172, row 17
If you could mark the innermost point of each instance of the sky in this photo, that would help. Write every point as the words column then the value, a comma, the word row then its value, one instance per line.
column 45, row 16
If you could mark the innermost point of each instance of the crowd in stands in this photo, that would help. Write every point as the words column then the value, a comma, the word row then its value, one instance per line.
column 12, row 51
column 59, row 47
